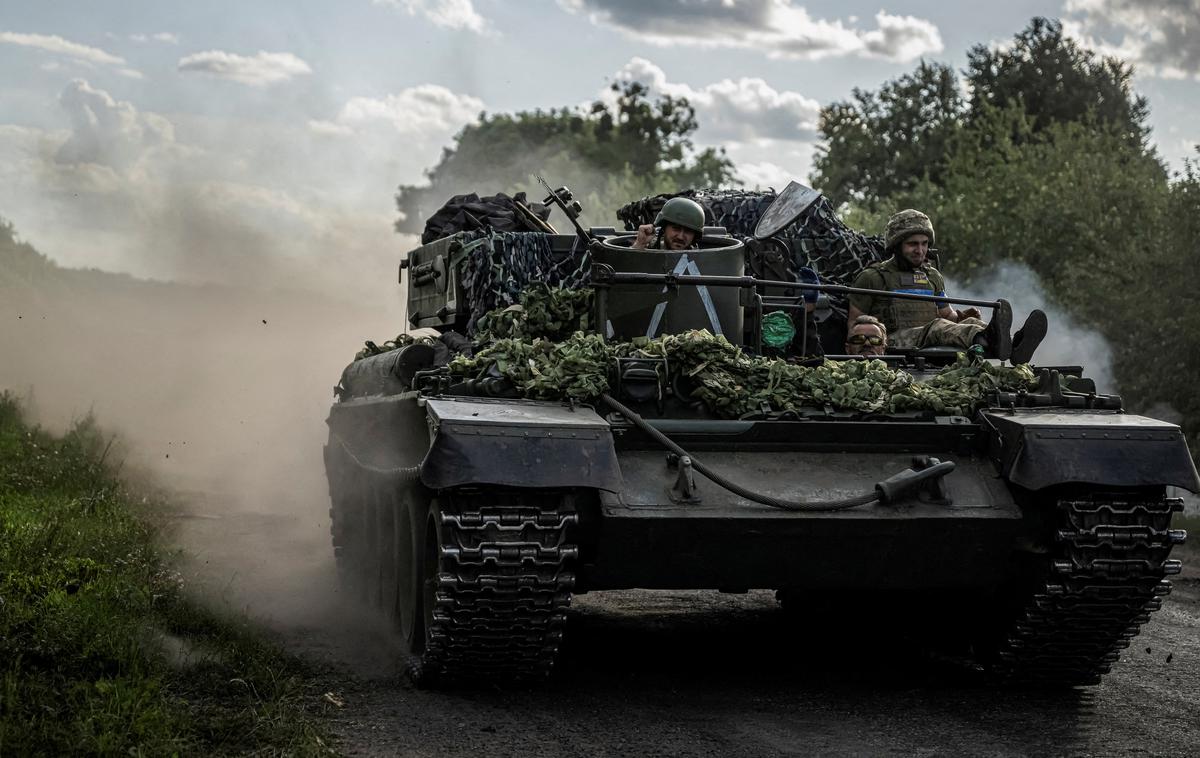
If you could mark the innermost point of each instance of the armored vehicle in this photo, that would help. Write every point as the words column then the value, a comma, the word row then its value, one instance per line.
column 469, row 510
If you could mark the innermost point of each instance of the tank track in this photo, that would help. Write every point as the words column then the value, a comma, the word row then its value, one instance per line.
column 1106, row 575
column 503, row 587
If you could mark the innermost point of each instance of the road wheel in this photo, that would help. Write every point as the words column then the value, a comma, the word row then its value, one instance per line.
column 384, row 568
column 431, row 565
column 417, row 615
column 368, row 567
column 407, row 548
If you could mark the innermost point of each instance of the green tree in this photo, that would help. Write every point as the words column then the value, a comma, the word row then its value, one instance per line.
column 1159, row 359
column 631, row 145
column 1056, row 81
column 1077, row 204
column 882, row 143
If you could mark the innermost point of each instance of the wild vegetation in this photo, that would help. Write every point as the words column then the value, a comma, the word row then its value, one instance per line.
column 621, row 148
column 101, row 649
column 1046, row 163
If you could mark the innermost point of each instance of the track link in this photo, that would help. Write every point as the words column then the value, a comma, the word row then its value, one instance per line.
column 503, row 586
column 1107, row 574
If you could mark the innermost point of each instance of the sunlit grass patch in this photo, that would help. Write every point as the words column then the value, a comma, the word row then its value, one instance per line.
column 93, row 619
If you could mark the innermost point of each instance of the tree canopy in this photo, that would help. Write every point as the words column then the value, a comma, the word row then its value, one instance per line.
column 878, row 144
column 1056, row 81
column 885, row 142
column 618, row 149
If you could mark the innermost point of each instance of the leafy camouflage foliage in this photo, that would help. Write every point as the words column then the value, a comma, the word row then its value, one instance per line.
column 730, row 382
column 543, row 369
column 551, row 313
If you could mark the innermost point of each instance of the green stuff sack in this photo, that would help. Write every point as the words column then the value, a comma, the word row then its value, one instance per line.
column 778, row 329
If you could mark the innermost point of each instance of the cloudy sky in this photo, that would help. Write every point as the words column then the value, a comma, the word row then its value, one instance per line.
column 241, row 142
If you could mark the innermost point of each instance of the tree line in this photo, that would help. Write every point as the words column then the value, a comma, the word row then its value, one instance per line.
column 1042, row 158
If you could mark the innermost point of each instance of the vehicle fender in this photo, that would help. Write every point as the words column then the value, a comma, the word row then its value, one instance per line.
column 381, row 434
column 518, row 443
column 1037, row 449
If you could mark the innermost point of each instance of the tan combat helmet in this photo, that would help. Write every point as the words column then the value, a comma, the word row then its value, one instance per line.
column 904, row 224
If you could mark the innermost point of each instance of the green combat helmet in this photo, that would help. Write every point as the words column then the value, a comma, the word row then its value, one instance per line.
column 682, row 212
column 903, row 224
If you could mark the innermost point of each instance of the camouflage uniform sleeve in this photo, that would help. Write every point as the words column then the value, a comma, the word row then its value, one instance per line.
column 867, row 279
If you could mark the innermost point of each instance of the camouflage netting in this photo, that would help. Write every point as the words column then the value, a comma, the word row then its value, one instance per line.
column 730, row 382
column 817, row 239
column 499, row 266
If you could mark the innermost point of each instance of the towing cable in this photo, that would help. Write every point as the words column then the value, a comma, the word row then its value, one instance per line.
column 889, row 490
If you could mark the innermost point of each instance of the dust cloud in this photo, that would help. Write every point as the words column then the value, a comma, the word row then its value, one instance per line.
column 218, row 396
column 1068, row 342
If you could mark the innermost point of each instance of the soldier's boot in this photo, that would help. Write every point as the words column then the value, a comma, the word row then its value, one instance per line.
column 996, row 338
column 1028, row 337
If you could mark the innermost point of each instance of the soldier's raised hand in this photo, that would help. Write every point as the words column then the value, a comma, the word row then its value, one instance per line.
column 645, row 234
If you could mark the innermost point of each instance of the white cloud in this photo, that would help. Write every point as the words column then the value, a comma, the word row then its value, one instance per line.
column 1161, row 36
column 165, row 37
column 106, row 131
column 60, row 46
column 238, row 202
column 416, row 111
column 256, row 71
column 777, row 27
column 740, row 110
column 902, row 38
column 330, row 128
column 762, row 175
column 450, row 14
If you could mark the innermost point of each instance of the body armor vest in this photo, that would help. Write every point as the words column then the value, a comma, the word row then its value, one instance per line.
column 904, row 314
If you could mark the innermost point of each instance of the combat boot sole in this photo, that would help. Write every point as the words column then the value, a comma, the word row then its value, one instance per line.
column 1029, row 337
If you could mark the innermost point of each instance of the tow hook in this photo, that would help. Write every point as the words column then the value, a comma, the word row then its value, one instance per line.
column 684, row 490
column 924, row 477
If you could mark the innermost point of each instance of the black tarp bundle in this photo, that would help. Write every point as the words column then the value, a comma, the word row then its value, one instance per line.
column 469, row 213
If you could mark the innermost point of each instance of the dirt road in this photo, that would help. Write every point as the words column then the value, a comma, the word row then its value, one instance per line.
column 687, row 673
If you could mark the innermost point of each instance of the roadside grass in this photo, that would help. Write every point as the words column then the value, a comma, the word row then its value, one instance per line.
column 101, row 651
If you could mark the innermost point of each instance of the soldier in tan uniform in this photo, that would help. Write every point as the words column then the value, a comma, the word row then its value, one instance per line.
column 923, row 323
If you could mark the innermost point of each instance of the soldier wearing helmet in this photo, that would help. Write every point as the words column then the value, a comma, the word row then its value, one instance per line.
column 680, row 225
column 923, row 323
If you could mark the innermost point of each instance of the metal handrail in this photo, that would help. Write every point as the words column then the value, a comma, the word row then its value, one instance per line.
column 604, row 276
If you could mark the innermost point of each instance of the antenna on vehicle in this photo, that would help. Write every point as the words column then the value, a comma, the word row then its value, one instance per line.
column 563, row 198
